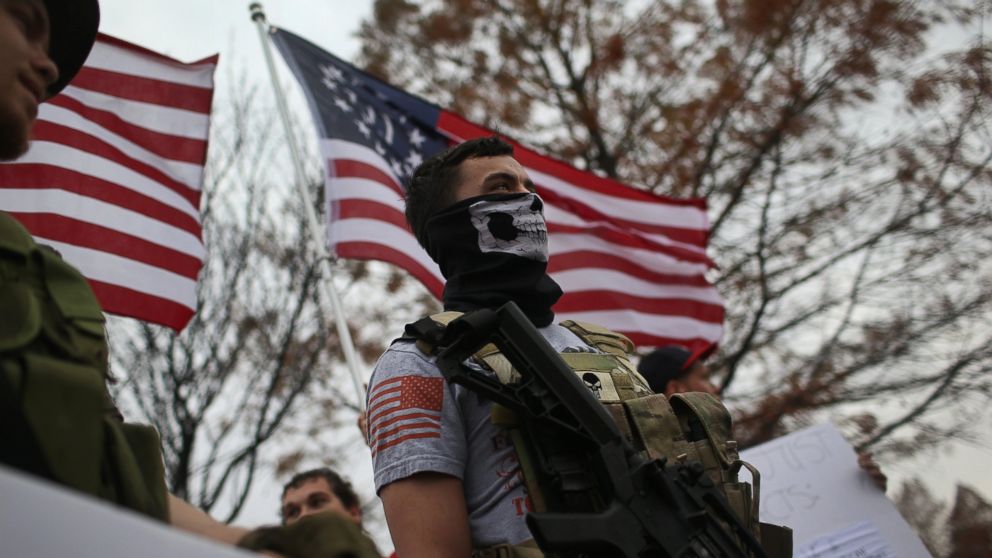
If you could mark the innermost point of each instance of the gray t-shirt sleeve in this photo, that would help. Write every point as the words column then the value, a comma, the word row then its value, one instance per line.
column 414, row 423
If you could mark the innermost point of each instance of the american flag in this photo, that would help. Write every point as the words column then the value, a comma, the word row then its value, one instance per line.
column 404, row 408
column 112, row 178
column 626, row 259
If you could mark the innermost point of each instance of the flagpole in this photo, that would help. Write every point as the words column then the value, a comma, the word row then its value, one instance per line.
column 326, row 286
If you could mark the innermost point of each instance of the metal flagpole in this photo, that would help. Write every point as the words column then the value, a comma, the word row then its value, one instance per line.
column 326, row 286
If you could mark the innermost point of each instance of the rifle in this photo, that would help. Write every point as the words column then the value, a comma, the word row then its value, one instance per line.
column 643, row 507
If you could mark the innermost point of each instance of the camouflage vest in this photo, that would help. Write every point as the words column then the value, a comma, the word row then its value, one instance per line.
column 57, row 419
column 689, row 426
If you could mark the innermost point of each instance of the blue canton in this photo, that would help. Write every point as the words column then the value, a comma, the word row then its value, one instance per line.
column 356, row 107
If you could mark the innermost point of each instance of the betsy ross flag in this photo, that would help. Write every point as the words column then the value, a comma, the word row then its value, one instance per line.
column 112, row 178
column 626, row 259
column 404, row 408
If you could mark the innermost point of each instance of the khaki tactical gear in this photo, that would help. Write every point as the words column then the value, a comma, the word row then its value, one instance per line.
column 526, row 549
column 323, row 535
column 57, row 419
column 688, row 427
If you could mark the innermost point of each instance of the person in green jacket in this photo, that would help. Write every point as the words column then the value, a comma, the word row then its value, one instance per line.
column 57, row 419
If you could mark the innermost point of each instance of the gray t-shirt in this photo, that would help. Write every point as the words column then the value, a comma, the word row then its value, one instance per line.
column 419, row 423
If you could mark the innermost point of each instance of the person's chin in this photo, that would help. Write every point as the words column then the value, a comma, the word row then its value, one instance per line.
column 14, row 139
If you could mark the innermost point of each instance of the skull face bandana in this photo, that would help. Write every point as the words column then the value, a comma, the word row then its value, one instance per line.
column 493, row 249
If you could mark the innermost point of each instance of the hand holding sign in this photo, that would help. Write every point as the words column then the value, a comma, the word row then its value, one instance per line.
column 811, row 482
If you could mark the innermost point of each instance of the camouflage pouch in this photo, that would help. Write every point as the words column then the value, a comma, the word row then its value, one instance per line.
column 135, row 474
column 321, row 535
column 62, row 405
column 708, row 428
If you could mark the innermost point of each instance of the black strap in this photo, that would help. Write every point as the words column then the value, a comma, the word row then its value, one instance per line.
column 19, row 446
column 426, row 330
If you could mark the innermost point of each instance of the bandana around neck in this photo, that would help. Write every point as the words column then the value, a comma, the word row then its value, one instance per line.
column 493, row 249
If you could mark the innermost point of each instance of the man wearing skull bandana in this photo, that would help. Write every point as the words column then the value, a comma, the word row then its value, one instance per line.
column 448, row 477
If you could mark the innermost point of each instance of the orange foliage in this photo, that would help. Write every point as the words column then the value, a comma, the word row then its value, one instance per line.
column 442, row 27
column 762, row 17
column 970, row 525
column 790, row 118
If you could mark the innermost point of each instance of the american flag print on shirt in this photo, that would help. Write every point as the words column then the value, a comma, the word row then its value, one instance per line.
column 113, row 174
column 404, row 408
column 626, row 259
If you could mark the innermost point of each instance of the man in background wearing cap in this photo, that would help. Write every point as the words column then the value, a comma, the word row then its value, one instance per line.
column 668, row 370
column 57, row 419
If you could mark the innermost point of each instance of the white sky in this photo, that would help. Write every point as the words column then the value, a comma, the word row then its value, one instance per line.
column 192, row 29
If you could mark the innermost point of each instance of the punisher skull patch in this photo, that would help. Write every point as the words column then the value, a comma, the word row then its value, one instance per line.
column 512, row 227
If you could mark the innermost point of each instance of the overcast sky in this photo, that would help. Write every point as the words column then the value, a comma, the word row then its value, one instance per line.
column 193, row 29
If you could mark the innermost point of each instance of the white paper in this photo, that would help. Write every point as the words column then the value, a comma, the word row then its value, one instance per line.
column 42, row 520
column 811, row 482
column 861, row 540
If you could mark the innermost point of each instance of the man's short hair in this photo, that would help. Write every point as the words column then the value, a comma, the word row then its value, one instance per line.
column 340, row 487
column 663, row 365
column 431, row 187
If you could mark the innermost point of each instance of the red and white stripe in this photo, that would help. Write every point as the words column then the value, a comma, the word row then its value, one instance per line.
column 626, row 259
column 402, row 409
column 113, row 175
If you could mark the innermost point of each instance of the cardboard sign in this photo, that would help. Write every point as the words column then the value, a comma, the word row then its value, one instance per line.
column 811, row 482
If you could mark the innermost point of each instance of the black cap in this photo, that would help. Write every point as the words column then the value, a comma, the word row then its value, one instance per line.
column 72, row 31
column 663, row 365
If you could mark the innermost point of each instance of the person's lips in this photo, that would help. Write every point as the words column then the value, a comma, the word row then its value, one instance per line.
column 35, row 87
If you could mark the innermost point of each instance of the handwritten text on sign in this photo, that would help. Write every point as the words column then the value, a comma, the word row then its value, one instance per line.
column 811, row 482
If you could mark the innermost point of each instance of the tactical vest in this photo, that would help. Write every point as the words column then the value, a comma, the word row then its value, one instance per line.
column 687, row 427
column 57, row 419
